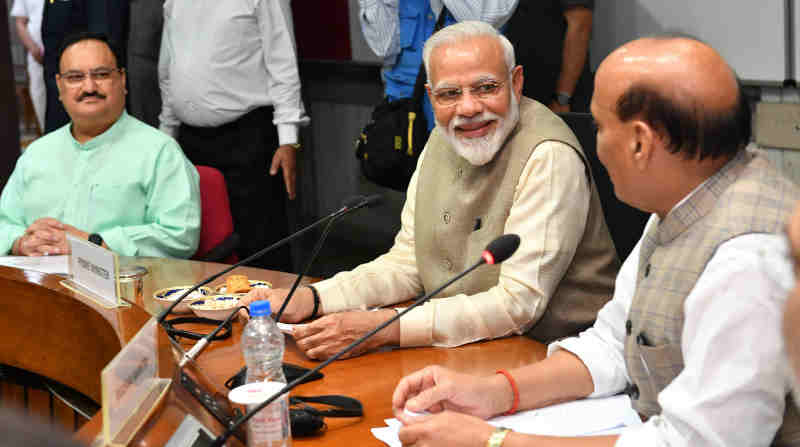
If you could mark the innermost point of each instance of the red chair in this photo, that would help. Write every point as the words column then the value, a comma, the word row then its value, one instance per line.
column 218, row 242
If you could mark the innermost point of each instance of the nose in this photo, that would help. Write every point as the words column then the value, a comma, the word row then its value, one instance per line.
column 89, row 84
column 469, row 105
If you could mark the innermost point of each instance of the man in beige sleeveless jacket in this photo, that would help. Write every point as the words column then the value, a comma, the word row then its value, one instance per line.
column 692, row 333
column 496, row 163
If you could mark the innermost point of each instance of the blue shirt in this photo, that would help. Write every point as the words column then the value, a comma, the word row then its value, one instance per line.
column 417, row 22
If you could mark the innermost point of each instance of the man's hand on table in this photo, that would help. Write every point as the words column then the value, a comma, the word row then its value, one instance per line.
column 324, row 337
column 436, row 389
column 447, row 428
column 452, row 399
column 300, row 306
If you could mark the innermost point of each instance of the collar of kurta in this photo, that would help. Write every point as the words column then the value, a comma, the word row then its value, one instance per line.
column 101, row 139
column 701, row 200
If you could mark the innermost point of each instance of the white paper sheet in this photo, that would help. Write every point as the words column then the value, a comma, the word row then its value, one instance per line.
column 45, row 264
column 583, row 417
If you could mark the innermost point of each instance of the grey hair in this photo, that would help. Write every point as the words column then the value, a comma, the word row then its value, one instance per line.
column 462, row 31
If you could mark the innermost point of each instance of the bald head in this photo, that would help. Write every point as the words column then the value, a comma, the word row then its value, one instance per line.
column 684, row 89
column 680, row 68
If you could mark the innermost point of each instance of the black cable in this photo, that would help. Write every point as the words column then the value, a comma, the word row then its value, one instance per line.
column 255, row 255
column 306, row 268
column 220, row 440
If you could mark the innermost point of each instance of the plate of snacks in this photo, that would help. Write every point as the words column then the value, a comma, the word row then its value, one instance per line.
column 169, row 294
column 216, row 307
column 241, row 284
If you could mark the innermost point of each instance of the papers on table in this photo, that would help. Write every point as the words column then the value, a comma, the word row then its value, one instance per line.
column 286, row 328
column 586, row 417
column 45, row 264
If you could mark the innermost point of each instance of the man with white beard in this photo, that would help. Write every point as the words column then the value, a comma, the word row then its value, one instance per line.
column 496, row 163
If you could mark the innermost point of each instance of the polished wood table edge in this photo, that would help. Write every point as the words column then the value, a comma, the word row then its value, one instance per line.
column 370, row 378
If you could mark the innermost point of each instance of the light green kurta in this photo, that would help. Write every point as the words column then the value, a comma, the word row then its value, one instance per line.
column 132, row 185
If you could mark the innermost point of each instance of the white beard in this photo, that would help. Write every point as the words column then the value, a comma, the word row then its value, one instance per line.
column 481, row 150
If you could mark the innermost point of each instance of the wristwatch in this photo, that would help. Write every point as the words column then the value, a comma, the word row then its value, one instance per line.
column 497, row 437
column 96, row 239
column 562, row 98
column 295, row 146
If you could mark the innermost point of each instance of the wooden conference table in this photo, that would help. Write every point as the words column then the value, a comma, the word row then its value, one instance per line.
column 47, row 321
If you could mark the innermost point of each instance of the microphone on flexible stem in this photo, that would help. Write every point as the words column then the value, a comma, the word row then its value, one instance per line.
column 203, row 342
column 496, row 252
column 350, row 205
column 369, row 201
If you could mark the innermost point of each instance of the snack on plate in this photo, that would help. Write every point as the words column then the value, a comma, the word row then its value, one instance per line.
column 254, row 284
column 237, row 284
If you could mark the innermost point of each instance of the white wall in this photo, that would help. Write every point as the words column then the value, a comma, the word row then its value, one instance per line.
column 748, row 33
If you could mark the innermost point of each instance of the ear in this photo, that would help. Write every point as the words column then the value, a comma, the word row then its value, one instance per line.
column 517, row 79
column 644, row 144
column 60, row 85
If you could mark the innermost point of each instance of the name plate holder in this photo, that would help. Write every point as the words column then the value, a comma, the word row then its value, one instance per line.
column 94, row 273
column 132, row 388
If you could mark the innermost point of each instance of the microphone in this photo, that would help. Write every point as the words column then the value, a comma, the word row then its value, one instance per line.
column 369, row 201
column 350, row 205
column 496, row 252
column 192, row 353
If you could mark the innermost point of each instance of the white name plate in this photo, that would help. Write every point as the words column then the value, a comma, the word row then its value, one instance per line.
column 94, row 272
column 132, row 388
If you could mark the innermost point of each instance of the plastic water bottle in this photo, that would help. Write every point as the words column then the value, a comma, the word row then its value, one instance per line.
column 263, row 346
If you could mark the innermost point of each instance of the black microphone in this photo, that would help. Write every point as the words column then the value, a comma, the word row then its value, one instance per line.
column 496, row 252
column 350, row 205
column 369, row 201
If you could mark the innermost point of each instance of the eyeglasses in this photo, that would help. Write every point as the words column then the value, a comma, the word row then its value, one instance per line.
column 76, row 78
column 448, row 97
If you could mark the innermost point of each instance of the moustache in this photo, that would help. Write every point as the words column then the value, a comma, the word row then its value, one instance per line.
column 91, row 94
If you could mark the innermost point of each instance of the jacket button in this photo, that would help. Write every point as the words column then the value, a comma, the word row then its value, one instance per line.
column 448, row 265
column 647, row 271
column 628, row 327
column 634, row 392
column 446, row 217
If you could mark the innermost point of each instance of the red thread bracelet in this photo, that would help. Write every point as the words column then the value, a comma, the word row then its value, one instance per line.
column 514, row 390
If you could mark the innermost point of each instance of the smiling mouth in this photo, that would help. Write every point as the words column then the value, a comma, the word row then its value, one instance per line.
column 474, row 130
column 91, row 98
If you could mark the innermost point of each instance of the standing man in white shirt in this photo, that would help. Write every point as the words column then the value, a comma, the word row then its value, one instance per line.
column 28, row 17
column 693, row 330
column 231, row 96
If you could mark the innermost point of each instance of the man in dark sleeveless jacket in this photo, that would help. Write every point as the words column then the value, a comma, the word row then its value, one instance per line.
column 693, row 331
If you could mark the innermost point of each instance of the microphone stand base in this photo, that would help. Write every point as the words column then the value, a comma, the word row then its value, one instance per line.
column 208, row 401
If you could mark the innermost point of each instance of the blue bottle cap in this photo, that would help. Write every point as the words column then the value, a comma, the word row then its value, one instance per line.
column 260, row 308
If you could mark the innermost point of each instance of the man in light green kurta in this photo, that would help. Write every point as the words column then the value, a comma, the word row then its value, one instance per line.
column 106, row 174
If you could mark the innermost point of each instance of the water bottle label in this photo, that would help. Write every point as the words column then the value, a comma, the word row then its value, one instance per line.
column 270, row 426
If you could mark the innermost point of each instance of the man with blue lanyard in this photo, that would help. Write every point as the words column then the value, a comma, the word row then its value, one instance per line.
column 396, row 30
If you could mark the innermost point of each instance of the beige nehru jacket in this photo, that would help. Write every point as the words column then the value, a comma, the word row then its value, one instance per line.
column 550, row 231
